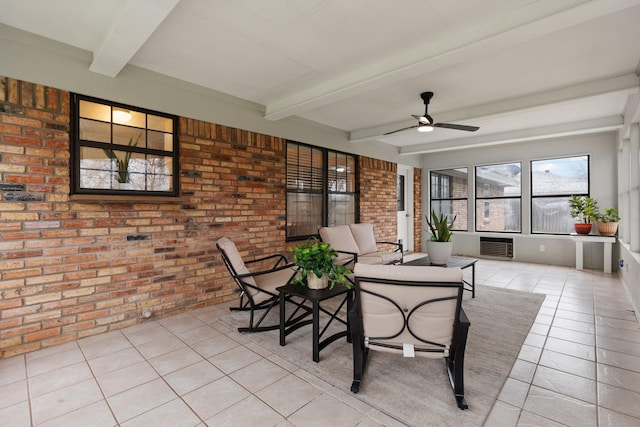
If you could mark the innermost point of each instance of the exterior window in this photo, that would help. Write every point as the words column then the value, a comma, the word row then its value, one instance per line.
column 553, row 181
column 400, row 193
column 448, row 195
column 119, row 149
column 321, row 189
column 498, row 198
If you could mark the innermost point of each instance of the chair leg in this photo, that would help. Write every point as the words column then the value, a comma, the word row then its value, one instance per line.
column 255, row 326
column 242, row 304
column 360, row 355
column 455, row 363
column 358, row 367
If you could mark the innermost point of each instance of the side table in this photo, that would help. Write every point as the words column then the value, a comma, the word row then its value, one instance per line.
column 315, row 296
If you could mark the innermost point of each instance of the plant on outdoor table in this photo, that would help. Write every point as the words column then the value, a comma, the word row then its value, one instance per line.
column 318, row 257
column 440, row 227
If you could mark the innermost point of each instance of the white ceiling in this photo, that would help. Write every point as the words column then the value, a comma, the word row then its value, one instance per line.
column 519, row 69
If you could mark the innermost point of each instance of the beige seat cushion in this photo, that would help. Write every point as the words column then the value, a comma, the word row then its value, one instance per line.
column 340, row 238
column 433, row 322
column 380, row 258
column 235, row 258
column 364, row 237
column 268, row 281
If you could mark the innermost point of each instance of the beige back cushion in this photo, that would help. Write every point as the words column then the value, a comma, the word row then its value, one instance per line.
column 364, row 237
column 236, row 261
column 432, row 322
column 340, row 238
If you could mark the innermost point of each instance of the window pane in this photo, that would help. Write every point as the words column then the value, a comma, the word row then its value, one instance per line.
column 135, row 119
column 449, row 190
column 304, row 168
column 160, row 141
column 551, row 215
column 125, row 135
column 400, row 193
column 340, row 173
column 304, row 214
column 451, row 208
column 93, row 110
column 96, row 169
column 342, row 209
column 90, row 130
column 565, row 176
column 161, row 124
column 498, row 180
column 503, row 215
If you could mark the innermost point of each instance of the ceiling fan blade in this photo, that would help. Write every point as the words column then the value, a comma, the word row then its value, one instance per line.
column 456, row 127
column 400, row 130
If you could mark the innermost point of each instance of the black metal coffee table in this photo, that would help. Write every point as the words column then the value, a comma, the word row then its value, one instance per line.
column 315, row 296
column 454, row 261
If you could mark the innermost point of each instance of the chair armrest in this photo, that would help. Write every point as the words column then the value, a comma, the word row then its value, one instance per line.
column 277, row 257
column 464, row 320
column 353, row 254
column 398, row 245
column 261, row 272
column 398, row 249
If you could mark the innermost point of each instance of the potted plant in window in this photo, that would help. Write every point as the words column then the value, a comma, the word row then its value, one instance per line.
column 122, row 164
column 608, row 222
column 317, row 269
column 439, row 245
column 585, row 210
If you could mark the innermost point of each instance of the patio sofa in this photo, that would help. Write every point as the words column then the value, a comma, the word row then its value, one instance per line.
column 357, row 243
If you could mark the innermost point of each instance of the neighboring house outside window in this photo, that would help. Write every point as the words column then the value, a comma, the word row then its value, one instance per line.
column 553, row 181
column 498, row 198
column 119, row 149
column 449, row 194
column 321, row 189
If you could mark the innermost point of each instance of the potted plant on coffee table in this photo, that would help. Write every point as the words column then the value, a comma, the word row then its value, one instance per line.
column 585, row 210
column 315, row 260
column 439, row 245
column 608, row 222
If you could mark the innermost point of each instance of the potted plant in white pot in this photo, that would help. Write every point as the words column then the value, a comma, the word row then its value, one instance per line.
column 608, row 222
column 317, row 269
column 585, row 210
column 439, row 245
column 122, row 164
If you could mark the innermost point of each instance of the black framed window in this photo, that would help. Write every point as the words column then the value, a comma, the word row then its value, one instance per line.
column 400, row 193
column 321, row 189
column 498, row 203
column 120, row 149
column 553, row 181
column 449, row 189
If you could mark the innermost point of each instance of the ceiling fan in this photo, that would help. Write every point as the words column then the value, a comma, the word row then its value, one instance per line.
column 426, row 123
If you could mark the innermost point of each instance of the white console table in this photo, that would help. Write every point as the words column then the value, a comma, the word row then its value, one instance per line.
column 581, row 238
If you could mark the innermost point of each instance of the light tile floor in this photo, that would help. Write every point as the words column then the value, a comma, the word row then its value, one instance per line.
column 579, row 366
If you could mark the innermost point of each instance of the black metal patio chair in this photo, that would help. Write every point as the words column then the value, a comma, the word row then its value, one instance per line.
column 409, row 309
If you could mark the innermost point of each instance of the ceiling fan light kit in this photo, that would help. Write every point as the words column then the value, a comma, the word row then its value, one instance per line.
column 426, row 122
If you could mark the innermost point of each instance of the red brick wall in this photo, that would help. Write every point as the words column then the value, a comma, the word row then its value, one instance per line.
column 72, row 267
column 378, row 197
